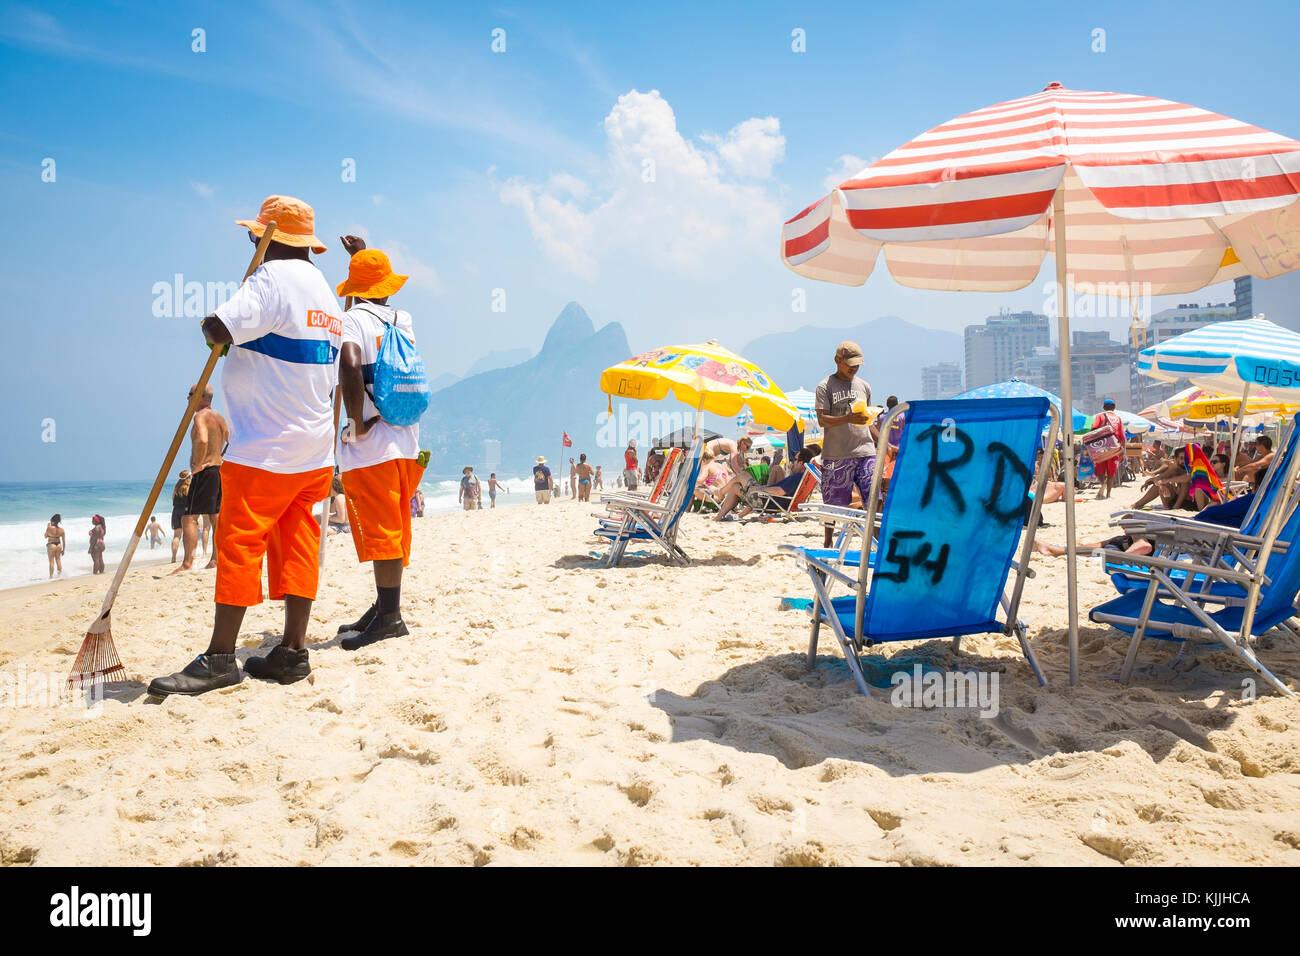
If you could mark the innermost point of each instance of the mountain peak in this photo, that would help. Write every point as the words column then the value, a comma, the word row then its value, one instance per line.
column 570, row 327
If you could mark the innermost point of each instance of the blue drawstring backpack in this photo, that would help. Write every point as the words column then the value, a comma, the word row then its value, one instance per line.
column 400, row 389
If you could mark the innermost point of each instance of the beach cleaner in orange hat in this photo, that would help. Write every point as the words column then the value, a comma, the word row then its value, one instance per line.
column 379, row 451
column 278, row 379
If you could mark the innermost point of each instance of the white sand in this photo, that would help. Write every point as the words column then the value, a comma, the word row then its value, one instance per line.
column 543, row 711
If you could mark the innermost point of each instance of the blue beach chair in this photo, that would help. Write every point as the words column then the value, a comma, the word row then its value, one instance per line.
column 654, row 521
column 1174, row 536
column 957, row 506
column 1189, row 599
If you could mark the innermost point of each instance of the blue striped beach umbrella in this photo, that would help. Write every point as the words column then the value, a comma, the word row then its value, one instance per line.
column 1015, row 388
column 1136, row 424
column 1233, row 357
column 1237, row 356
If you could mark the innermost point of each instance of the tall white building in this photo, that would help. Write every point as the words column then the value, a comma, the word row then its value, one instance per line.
column 940, row 381
column 992, row 349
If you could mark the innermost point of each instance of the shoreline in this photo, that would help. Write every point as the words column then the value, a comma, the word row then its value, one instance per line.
column 50, row 585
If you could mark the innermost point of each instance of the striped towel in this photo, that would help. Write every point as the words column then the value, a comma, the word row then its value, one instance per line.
column 1203, row 476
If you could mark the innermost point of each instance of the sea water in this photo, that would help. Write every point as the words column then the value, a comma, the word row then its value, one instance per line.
column 26, row 507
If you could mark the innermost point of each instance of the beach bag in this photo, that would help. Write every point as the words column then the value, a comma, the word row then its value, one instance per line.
column 401, row 389
column 1102, row 443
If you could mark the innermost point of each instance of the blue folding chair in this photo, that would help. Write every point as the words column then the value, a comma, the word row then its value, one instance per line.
column 1190, row 599
column 1174, row 536
column 654, row 521
column 957, row 506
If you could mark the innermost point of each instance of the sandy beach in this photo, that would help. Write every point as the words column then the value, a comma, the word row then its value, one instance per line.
column 543, row 711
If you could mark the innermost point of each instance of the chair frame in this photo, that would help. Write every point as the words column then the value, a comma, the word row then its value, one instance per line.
column 1252, row 577
column 769, row 506
column 659, row 521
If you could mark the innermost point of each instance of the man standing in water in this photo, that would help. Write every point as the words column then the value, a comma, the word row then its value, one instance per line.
column 848, row 444
column 208, row 437
column 154, row 531
column 279, row 379
column 493, row 485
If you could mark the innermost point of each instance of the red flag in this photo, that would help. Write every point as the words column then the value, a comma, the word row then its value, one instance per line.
column 568, row 442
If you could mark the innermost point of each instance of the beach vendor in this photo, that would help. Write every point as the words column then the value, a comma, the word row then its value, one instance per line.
column 848, row 443
column 379, row 461
column 1108, row 469
column 278, row 380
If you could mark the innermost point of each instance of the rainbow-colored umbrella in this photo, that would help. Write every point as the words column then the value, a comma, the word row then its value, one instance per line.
column 707, row 377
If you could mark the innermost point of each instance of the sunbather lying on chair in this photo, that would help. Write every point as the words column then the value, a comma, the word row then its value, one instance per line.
column 713, row 475
column 782, row 492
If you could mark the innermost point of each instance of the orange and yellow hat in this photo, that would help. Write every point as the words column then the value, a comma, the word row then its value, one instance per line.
column 370, row 276
column 295, row 222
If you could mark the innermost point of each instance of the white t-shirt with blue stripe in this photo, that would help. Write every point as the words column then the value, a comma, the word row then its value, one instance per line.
column 279, row 377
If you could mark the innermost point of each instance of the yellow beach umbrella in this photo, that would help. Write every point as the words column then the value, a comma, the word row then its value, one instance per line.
column 707, row 377
column 1203, row 405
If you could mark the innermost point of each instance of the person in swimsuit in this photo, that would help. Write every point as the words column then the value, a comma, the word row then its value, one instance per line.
column 98, row 530
column 209, row 436
column 180, row 494
column 493, row 484
column 585, row 473
column 154, row 531
column 56, row 542
column 741, row 478
column 599, row 481
column 1121, row 542
column 712, row 476
column 786, row 487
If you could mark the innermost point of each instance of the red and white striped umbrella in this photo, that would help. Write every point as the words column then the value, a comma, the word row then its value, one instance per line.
column 1155, row 192
column 1156, row 197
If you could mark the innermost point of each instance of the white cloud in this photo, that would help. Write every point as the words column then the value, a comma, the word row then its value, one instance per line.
column 846, row 167
column 660, row 198
column 751, row 148
column 203, row 189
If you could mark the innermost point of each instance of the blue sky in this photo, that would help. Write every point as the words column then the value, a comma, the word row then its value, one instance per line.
column 517, row 170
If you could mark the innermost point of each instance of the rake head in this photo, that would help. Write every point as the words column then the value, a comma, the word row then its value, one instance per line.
column 97, row 660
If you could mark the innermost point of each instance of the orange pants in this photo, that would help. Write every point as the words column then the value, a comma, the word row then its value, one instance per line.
column 267, row 513
column 379, row 508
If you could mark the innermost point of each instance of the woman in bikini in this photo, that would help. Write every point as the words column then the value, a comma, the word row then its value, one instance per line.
column 56, row 542
column 713, row 474
column 98, row 529
column 585, row 473
column 180, row 492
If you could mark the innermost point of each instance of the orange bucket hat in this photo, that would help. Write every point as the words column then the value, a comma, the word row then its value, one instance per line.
column 370, row 276
column 295, row 222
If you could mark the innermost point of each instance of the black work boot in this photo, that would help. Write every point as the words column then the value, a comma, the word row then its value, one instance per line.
column 361, row 624
column 206, row 672
column 381, row 628
column 283, row 664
